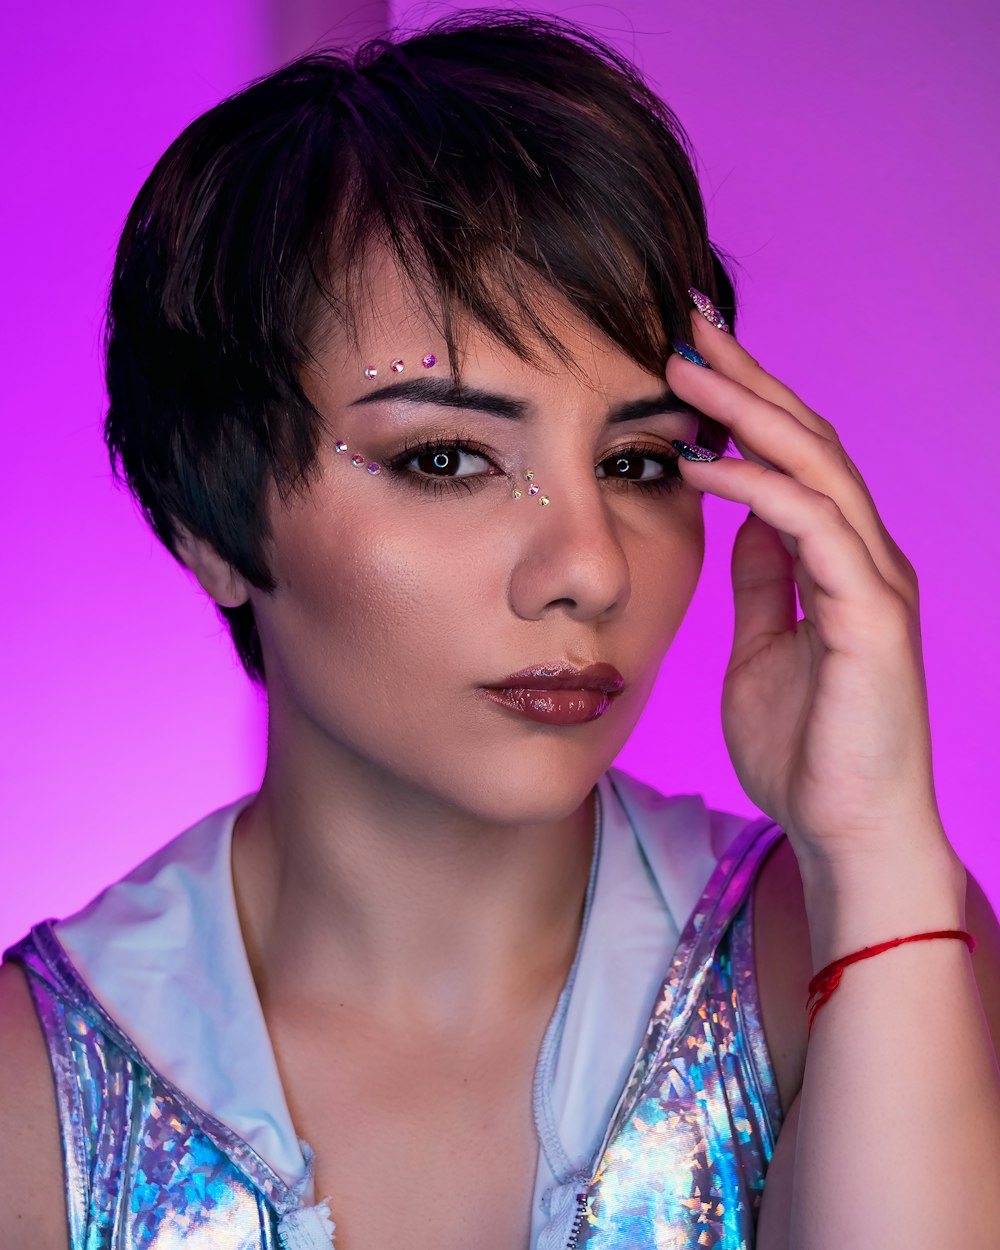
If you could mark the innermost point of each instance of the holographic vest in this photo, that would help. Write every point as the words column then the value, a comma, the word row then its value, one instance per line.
column 681, row 1167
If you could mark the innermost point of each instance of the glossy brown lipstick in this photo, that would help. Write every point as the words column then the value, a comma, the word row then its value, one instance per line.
column 558, row 694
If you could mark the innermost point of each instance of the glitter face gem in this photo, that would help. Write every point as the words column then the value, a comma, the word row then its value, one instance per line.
column 374, row 467
column 340, row 446
column 707, row 309
column 371, row 373
column 690, row 353
column 429, row 361
column 529, row 476
column 396, row 366
column 357, row 459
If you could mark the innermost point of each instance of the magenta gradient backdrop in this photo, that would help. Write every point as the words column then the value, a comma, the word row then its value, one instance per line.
column 849, row 160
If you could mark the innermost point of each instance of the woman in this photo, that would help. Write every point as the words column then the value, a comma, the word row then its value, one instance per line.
column 407, row 364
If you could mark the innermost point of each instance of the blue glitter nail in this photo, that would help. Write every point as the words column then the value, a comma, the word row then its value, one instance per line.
column 690, row 353
column 691, row 451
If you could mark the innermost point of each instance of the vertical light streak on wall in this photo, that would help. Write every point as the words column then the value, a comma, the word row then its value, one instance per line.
column 298, row 26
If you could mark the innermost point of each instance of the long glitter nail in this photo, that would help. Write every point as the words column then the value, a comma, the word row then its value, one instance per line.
column 691, row 451
column 707, row 309
column 690, row 353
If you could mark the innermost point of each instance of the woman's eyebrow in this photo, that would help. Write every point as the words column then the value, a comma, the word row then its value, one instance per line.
column 443, row 393
column 663, row 404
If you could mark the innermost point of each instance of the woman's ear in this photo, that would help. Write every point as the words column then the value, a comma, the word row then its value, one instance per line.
column 217, row 578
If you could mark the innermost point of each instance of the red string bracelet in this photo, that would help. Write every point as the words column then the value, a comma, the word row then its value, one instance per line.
column 827, row 979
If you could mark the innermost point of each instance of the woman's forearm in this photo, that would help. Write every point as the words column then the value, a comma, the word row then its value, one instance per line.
column 898, row 1139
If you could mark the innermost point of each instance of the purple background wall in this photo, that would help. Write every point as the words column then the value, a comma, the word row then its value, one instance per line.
column 849, row 159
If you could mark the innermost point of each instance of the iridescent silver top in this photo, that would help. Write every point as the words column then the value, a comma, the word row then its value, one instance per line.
column 680, row 1163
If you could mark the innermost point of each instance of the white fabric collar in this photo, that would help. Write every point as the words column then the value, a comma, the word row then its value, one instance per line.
column 163, row 953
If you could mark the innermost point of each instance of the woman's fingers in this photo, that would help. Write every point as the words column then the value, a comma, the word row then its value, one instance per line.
column 727, row 356
column 830, row 551
column 763, row 589
column 771, row 435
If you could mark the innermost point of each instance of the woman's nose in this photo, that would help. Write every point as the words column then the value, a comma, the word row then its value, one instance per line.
column 570, row 554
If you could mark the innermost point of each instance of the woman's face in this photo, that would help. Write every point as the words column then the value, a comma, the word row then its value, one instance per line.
column 401, row 595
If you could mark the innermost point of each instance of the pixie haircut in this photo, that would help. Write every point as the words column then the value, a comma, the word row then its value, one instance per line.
column 486, row 153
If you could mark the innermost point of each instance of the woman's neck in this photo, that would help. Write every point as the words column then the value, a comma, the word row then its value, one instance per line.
column 356, row 887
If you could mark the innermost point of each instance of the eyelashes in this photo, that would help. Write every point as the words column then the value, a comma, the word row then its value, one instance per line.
column 441, row 454
column 623, row 466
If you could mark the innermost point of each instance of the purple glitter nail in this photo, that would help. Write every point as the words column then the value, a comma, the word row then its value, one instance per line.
column 707, row 309
column 691, row 451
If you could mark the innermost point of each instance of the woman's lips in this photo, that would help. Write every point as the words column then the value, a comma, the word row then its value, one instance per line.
column 558, row 694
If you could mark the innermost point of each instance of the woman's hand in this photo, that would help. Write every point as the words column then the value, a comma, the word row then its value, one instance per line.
column 825, row 717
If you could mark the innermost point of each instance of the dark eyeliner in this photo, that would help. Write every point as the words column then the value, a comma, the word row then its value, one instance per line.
column 656, row 452
column 396, row 465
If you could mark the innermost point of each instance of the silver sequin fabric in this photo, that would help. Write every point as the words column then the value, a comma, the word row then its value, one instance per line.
column 685, row 1155
column 681, row 1167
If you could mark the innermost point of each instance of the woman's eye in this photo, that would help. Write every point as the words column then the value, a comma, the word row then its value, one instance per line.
column 449, row 462
column 634, row 467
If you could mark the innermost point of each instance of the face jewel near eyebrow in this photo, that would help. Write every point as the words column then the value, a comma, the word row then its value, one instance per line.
column 442, row 393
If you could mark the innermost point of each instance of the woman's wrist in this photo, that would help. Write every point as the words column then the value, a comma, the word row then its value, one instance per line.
column 872, row 898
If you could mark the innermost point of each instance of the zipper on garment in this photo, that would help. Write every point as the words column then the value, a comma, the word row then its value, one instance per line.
column 581, row 1211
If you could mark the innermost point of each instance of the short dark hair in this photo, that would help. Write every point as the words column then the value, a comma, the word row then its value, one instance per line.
column 487, row 152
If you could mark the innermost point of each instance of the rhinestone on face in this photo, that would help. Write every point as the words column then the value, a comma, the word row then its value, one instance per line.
column 529, row 474
column 533, row 490
column 371, row 373
column 429, row 361
column 357, row 459
column 396, row 366
column 374, row 467
column 544, row 501
column 516, row 494
column 340, row 446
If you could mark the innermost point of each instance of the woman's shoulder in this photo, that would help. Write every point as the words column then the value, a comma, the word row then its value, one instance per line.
column 32, row 1202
